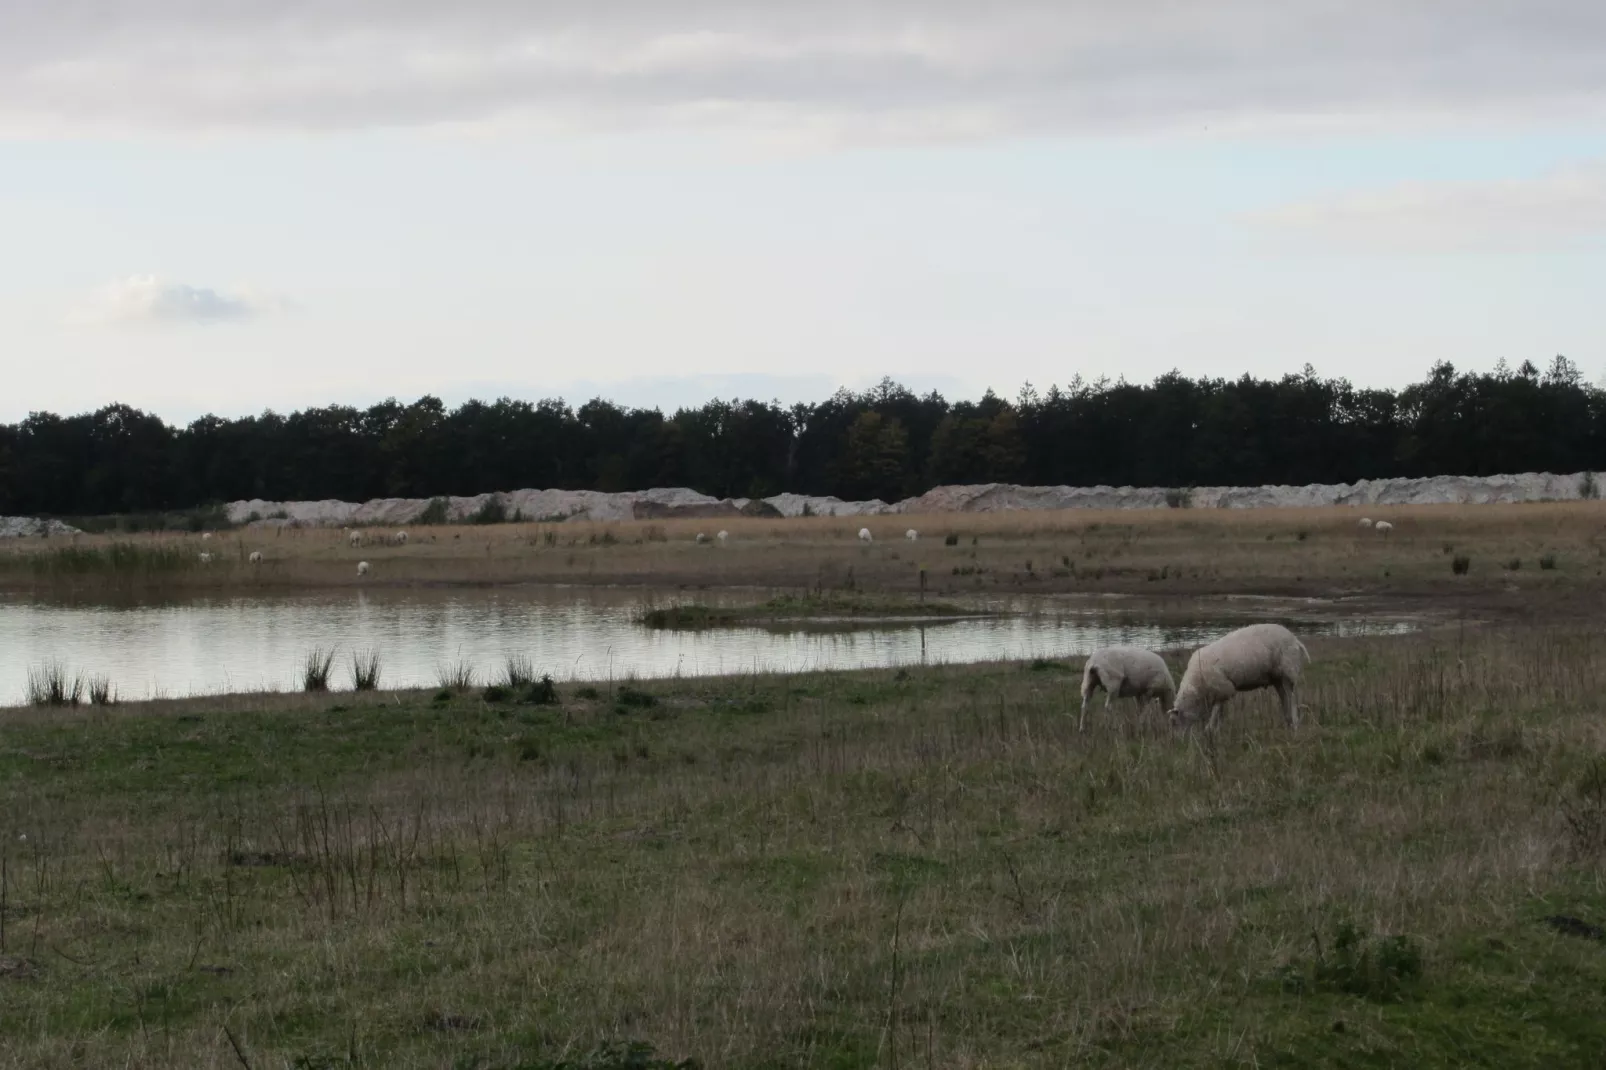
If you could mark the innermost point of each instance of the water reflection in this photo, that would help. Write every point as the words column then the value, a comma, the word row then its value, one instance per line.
column 197, row 646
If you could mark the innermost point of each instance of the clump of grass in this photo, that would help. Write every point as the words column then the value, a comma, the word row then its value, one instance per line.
column 517, row 672
column 315, row 669
column 101, row 691
column 495, row 693
column 1380, row 969
column 1514, row 564
column 1584, row 811
column 493, row 511
column 53, row 684
column 543, row 692
column 1588, row 486
column 457, row 676
column 116, row 559
column 629, row 697
column 1547, row 563
column 1302, row 535
column 951, row 540
column 588, row 692
column 1460, row 564
column 365, row 670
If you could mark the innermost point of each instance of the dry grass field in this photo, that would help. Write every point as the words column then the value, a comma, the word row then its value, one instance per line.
column 1178, row 551
column 924, row 868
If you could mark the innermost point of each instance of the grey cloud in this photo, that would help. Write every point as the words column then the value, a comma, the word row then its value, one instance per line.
column 1564, row 209
column 876, row 69
column 148, row 299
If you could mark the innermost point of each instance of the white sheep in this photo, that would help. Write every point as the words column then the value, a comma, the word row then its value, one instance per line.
column 401, row 538
column 911, row 534
column 206, row 558
column 1366, row 521
column 256, row 557
column 1261, row 655
column 701, row 538
column 1383, row 527
column 864, row 535
column 362, row 568
column 1126, row 672
column 723, row 537
column 205, row 535
column 355, row 538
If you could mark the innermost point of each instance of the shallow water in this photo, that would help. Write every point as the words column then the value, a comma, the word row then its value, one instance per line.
column 230, row 644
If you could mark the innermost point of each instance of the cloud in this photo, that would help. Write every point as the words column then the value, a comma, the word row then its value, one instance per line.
column 149, row 299
column 871, row 70
column 1561, row 210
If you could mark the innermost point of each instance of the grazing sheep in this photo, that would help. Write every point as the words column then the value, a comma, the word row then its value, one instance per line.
column 362, row 568
column 256, row 557
column 355, row 538
column 864, row 535
column 1261, row 655
column 723, row 537
column 206, row 558
column 205, row 535
column 911, row 534
column 401, row 538
column 1126, row 672
column 701, row 538
column 1366, row 521
column 1383, row 527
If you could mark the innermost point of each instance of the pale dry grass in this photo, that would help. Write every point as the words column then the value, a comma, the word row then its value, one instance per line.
column 1176, row 550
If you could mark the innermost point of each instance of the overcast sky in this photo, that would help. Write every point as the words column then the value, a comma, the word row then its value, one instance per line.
column 231, row 205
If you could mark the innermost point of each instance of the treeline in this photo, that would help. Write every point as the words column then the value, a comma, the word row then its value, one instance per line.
column 883, row 443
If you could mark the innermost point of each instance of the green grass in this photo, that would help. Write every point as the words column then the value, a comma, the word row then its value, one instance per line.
column 926, row 868
column 116, row 559
column 807, row 607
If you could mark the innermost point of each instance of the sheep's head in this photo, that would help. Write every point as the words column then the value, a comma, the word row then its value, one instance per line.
column 1186, row 708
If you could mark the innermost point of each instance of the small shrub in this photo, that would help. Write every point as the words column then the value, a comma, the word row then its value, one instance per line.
column 365, row 670
column 1179, row 498
column 1547, row 563
column 1588, row 487
column 1302, row 535
column 101, row 691
column 495, row 693
column 53, row 685
column 458, row 676
column 543, row 692
column 1460, row 564
column 443, row 695
column 588, row 692
column 1513, row 565
column 434, row 513
column 1045, row 665
column 493, row 511
column 950, row 540
column 629, row 697
column 1447, row 549
column 315, row 669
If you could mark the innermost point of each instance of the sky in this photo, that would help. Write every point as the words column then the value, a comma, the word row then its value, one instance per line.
column 223, row 208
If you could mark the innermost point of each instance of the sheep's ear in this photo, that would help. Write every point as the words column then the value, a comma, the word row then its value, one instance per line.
column 1174, row 714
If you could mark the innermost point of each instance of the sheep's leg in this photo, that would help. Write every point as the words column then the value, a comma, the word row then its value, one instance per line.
column 1286, row 692
column 1213, row 716
column 1089, row 685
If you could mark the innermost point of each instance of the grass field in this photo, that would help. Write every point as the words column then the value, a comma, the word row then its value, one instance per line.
column 925, row 868
column 1182, row 551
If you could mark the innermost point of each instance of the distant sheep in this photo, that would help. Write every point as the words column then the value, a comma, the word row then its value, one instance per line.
column 701, row 538
column 1366, row 521
column 205, row 535
column 1126, row 672
column 1261, row 655
column 1383, row 527
column 401, row 538
column 256, row 557
column 355, row 538
column 362, row 568
column 864, row 535
column 206, row 558
column 723, row 537
column 911, row 534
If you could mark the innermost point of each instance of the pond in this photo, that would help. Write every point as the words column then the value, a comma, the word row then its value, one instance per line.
column 231, row 644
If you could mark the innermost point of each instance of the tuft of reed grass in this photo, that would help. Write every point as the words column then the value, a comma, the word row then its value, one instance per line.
column 101, row 691
column 365, row 670
column 456, row 676
column 315, row 669
column 518, row 672
column 53, row 684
